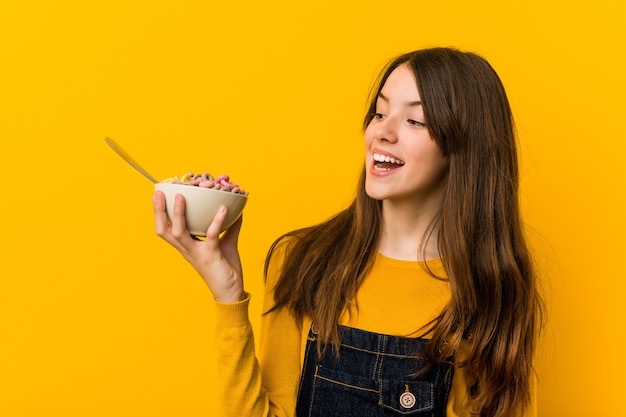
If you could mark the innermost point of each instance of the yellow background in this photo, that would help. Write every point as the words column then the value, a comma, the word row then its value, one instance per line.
column 99, row 317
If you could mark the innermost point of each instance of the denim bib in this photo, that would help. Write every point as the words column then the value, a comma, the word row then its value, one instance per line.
column 373, row 376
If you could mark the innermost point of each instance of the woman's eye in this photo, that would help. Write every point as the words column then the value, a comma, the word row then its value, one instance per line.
column 378, row 116
column 416, row 123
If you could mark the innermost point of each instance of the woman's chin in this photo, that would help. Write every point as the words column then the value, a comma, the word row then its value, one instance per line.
column 375, row 193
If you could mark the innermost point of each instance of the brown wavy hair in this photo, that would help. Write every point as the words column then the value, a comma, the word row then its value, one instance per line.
column 495, row 302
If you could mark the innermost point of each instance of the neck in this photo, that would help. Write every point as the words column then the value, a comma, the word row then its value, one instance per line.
column 408, row 232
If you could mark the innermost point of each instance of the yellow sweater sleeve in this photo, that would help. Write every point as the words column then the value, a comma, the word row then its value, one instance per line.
column 263, row 386
column 241, row 390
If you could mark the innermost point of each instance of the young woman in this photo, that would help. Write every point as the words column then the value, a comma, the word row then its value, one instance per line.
column 420, row 297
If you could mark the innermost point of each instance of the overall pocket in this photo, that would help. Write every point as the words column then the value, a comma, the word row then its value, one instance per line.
column 407, row 396
column 341, row 394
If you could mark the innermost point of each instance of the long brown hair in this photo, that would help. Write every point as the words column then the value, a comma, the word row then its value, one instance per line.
column 495, row 302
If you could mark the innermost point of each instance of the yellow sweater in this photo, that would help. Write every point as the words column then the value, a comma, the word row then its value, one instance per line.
column 396, row 298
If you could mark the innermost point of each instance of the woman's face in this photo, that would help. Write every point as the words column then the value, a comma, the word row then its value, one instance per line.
column 402, row 161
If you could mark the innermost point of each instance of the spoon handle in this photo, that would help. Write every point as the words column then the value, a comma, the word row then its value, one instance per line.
column 126, row 157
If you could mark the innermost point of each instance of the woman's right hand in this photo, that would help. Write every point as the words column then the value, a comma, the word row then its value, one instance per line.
column 215, row 259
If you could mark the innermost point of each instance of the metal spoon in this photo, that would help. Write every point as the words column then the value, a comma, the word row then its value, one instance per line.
column 126, row 157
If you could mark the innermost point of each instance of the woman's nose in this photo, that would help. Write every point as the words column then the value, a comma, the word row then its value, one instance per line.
column 386, row 130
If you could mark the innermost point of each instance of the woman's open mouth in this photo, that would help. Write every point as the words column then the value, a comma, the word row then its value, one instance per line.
column 385, row 162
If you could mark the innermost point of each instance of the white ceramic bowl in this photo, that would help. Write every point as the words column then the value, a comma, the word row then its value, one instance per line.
column 201, row 205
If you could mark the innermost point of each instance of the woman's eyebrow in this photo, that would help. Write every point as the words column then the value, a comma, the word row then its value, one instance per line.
column 408, row 103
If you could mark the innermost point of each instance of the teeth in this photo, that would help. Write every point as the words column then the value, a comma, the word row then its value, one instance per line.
column 384, row 158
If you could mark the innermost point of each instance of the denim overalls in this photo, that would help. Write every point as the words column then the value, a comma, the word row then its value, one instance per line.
column 373, row 377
